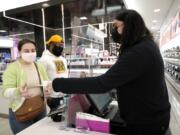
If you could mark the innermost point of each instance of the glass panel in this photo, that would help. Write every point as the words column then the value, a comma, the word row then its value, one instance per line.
column 87, row 25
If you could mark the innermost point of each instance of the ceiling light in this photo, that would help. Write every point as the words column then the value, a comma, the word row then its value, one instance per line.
column 21, row 34
column 83, row 18
column 45, row 5
column 2, row 31
column 156, row 10
column 154, row 21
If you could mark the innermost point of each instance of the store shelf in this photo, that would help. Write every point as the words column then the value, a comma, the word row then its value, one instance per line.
column 173, row 83
column 174, row 42
column 173, row 61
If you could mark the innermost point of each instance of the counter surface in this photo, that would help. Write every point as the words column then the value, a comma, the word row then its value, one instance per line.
column 47, row 127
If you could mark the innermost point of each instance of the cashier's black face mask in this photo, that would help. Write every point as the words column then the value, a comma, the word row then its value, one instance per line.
column 57, row 50
column 116, row 36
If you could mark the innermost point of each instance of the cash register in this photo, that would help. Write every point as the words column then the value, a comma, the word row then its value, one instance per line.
column 101, row 106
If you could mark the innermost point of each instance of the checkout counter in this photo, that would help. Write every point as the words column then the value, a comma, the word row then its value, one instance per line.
column 47, row 126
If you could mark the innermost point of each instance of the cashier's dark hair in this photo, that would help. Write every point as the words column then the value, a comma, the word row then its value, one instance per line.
column 24, row 41
column 134, row 28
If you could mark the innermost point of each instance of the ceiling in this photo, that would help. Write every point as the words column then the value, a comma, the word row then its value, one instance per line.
column 12, row 4
column 52, row 13
column 27, row 21
column 156, row 22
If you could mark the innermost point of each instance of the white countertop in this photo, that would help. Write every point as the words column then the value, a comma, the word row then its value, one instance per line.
column 47, row 127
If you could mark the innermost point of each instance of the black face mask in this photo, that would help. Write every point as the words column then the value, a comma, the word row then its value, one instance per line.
column 57, row 50
column 116, row 36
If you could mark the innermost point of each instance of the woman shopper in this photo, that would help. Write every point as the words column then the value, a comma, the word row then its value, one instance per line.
column 138, row 76
column 21, row 82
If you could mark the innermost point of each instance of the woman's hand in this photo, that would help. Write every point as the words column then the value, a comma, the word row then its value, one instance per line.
column 24, row 92
column 48, row 90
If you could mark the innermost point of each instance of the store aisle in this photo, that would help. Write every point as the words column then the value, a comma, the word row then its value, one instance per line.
column 174, row 98
column 4, row 127
column 174, row 126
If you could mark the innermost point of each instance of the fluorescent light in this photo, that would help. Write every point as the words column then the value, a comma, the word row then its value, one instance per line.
column 156, row 10
column 11, row 4
column 154, row 21
column 6, row 43
column 21, row 34
column 45, row 5
column 83, row 18
column 3, row 31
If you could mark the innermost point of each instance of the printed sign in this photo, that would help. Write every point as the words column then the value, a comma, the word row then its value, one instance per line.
column 60, row 68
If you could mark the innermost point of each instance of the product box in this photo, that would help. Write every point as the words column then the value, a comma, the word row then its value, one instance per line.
column 92, row 122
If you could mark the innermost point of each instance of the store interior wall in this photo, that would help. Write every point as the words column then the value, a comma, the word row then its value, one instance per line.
column 170, row 15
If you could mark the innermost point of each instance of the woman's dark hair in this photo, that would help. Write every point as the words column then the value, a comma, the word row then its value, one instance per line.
column 24, row 41
column 134, row 27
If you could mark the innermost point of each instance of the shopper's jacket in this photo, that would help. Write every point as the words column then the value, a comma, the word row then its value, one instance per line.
column 139, row 78
column 14, row 78
column 53, row 65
